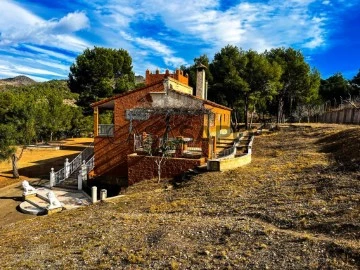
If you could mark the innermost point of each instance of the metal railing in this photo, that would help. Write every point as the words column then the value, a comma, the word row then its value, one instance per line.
column 193, row 146
column 70, row 168
column 59, row 176
column 106, row 130
column 90, row 164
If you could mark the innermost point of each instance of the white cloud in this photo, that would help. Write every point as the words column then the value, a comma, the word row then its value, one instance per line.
column 194, row 26
column 155, row 47
column 50, row 53
column 174, row 61
column 255, row 25
column 72, row 22
column 20, row 26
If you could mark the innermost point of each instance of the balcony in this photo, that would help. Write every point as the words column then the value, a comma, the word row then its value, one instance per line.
column 106, row 130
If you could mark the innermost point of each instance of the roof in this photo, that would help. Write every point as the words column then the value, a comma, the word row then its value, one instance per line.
column 106, row 100
column 208, row 102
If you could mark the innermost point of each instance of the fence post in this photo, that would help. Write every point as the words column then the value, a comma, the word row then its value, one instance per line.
column 94, row 194
column 67, row 168
column 52, row 178
column 103, row 194
column 80, row 180
column 84, row 171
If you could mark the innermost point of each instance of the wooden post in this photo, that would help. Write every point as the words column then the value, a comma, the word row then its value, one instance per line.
column 96, row 121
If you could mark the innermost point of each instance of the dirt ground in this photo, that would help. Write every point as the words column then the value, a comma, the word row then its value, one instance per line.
column 34, row 166
column 296, row 206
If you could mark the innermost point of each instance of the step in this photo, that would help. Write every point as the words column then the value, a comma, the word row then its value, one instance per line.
column 202, row 168
column 31, row 209
column 225, row 143
column 69, row 183
column 38, row 201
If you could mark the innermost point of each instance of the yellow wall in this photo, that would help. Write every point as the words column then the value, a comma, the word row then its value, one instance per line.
column 181, row 87
column 220, row 122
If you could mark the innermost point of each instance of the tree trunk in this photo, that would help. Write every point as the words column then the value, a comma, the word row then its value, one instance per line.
column 234, row 119
column 14, row 160
column 252, row 116
column 246, row 108
column 280, row 111
column 159, row 162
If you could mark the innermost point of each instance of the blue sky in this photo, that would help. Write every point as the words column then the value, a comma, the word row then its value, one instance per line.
column 41, row 38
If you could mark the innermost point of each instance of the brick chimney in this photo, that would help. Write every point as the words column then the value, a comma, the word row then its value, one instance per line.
column 200, row 82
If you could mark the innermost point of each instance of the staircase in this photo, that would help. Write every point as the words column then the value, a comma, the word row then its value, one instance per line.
column 67, row 177
column 70, row 182
column 244, row 143
column 223, row 143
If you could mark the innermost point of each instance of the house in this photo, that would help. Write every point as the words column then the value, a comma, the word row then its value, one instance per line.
column 165, row 109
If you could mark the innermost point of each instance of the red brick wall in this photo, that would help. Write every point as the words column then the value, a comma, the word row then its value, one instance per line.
column 180, row 77
column 144, row 167
column 111, row 152
column 153, row 78
column 136, row 98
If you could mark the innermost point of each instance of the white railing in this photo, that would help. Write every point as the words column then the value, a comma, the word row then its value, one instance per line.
column 70, row 167
column 90, row 164
column 59, row 176
column 106, row 130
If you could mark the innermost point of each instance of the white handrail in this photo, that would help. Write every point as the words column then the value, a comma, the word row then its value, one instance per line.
column 71, row 167
column 90, row 164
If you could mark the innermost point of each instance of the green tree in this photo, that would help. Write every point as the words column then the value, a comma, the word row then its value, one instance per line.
column 191, row 70
column 227, row 83
column 335, row 89
column 243, row 79
column 294, row 80
column 17, row 126
column 99, row 73
column 355, row 84
column 356, row 79
column 262, row 80
column 32, row 113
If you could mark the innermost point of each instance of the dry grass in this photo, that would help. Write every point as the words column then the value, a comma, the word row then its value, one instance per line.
column 295, row 207
column 36, row 163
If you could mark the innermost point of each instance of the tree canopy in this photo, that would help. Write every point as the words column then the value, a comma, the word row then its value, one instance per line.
column 275, row 82
column 99, row 73
column 35, row 113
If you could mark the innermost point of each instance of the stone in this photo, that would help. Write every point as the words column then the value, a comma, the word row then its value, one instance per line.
column 54, row 202
column 28, row 189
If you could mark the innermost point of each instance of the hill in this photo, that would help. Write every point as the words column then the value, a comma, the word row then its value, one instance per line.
column 295, row 207
column 17, row 81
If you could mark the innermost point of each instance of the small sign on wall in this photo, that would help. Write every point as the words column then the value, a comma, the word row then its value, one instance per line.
column 137, row 115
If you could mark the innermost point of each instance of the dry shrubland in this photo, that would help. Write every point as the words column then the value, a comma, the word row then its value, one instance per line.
column 296, row 206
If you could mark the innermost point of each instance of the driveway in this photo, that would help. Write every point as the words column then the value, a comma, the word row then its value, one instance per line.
column 10, row 198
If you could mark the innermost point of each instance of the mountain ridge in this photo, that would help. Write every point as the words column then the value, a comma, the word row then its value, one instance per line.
column 17, row 80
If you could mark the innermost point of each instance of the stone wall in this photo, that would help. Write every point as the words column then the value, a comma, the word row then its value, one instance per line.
column 144, row 167
column 229, row 164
